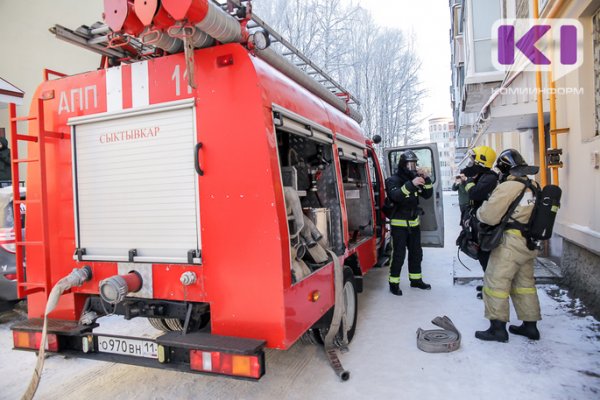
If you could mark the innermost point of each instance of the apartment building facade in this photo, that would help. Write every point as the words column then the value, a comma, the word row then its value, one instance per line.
column 508, row 118
column 442, row 132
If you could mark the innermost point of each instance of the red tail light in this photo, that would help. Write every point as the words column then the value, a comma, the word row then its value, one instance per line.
column 11, row 277
column 228, row 364
column 32, row 340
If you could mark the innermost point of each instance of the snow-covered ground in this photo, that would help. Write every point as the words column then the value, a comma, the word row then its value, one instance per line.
column 383, row 359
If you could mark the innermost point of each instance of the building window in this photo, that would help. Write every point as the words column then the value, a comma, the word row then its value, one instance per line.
column 596, row 22
column 485, row 13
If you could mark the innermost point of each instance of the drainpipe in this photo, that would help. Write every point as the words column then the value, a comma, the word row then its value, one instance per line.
column 553, row 133
column 556, row 7
column 540, row 110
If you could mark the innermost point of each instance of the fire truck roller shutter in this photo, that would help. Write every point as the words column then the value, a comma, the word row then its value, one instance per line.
column 132, row 202
column 293, row 123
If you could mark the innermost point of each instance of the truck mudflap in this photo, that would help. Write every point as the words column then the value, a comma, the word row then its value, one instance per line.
column 197, row 352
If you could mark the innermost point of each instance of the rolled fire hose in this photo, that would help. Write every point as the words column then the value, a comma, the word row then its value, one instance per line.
column 295, row 208
column 331, row 349
column 75, row 278
column 442, row 340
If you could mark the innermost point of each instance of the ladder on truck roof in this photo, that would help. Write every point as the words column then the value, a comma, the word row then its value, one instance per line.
column 25, row 286
column 96, row 38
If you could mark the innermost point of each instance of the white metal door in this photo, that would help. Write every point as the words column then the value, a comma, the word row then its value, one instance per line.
column 135, row 184
column 432, row 221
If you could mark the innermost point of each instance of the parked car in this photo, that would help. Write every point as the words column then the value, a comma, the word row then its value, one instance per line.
column 8, row 272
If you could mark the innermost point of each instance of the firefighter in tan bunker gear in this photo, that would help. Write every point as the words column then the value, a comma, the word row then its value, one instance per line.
column 510, row 269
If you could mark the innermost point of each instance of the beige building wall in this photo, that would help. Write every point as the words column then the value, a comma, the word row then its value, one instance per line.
column 27, row 47
column 579, row 217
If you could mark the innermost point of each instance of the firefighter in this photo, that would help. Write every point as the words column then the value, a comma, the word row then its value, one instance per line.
column 460, row 183
column 481, row 181
column 510, row 269
column 404, row 189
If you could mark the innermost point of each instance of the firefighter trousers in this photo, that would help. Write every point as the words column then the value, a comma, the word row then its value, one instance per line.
column 510, row 274
column 404, row 238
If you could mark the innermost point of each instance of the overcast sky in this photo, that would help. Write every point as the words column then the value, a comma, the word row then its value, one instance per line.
column 430, row 22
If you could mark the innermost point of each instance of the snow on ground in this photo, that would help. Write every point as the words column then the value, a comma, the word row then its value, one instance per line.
column 383, row 359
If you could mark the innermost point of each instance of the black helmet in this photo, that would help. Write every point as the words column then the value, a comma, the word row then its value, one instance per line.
column 510, row 161
column 409, row 155
column 406, row 157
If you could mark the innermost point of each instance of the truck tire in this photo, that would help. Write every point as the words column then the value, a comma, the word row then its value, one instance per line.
column 176, row 325
column 351, row 303
column 159, row 323
column 351, row 310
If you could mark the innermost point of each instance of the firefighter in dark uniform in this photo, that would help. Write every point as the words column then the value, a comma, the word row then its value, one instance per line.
column 510, row 273
column 481, row 182
column 404, row 189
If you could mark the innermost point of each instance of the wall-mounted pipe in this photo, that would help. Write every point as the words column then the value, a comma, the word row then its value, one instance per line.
column 540, row 111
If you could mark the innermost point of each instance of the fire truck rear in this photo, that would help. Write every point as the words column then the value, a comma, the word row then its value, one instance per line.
column 201, row 181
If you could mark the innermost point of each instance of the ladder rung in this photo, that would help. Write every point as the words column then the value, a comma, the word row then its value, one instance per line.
column 18, row 119
column 26, row 243
column 32, row 285
column 26, row 201
column 58, row 135
column 24, row 160
column 28, row 138
column 27, row 292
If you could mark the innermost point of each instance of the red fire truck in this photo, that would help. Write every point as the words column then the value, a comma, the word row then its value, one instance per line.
column 217, row 191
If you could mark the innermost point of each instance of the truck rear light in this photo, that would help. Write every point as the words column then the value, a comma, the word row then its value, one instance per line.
column 248, row 366
column 32, row 340
column 10, row 277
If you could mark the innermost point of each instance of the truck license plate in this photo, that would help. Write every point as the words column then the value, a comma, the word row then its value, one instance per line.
column 128, row 347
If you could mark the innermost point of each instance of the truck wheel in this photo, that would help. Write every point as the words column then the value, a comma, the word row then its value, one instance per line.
column 175, row 324
column 351, row 305
column 159, row 323
column 350, row 311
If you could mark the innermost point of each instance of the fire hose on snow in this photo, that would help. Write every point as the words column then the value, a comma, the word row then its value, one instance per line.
column 339, row 318
column 76, row 278
column 442, row 340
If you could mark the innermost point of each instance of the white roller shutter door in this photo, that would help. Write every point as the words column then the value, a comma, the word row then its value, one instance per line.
column 135, row 184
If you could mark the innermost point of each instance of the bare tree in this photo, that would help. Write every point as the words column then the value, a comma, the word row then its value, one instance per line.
column 379, row 66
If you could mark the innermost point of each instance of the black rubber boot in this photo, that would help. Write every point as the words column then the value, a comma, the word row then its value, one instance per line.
column 395, row 289
column 495, row 333
column 527, row 328
column 418, row 283
column 480, row 295
column 479, row 288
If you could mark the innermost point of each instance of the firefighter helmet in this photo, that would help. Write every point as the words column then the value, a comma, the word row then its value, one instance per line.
column 408, row 159
column 409, row 155
column 510, row 161
column 483, row 156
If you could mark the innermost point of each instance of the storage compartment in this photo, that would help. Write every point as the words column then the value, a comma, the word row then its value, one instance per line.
column 135, row 187
column 310, row 186
column 358, row 200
